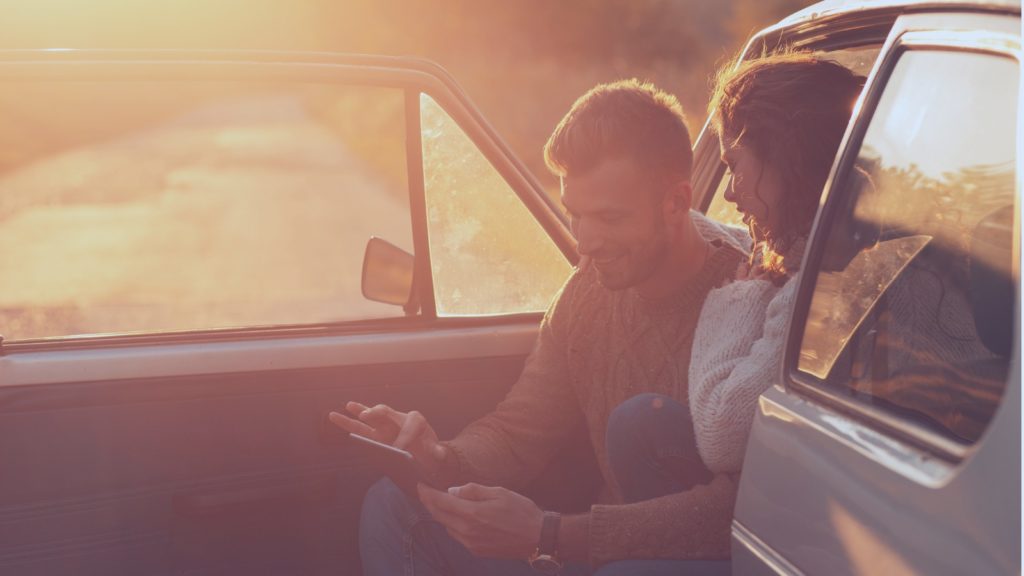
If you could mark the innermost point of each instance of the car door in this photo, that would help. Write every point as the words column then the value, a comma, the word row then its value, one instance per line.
column 189, row 287
column 892, row 445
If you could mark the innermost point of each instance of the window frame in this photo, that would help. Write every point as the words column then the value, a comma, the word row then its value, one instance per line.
column 989, row 42
column 413, row 76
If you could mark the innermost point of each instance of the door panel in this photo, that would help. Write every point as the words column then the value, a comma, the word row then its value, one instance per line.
column 205, row 472
column 175, row 424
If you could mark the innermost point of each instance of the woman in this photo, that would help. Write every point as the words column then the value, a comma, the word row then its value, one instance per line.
column 780, row 120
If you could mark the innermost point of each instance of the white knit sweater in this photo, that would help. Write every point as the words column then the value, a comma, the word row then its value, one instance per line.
column 737, row 351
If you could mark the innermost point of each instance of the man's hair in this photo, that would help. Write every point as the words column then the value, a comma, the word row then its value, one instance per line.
column 625, row 119
column 791, row 111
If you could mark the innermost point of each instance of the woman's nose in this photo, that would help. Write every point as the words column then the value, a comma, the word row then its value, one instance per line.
column 730, row 191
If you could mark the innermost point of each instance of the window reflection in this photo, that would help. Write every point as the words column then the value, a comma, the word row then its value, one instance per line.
column 913, row 304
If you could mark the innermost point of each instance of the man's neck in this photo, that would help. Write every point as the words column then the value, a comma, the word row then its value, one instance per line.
column 686, row 257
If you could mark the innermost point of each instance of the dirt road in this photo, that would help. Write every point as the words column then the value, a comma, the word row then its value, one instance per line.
column 236, row 213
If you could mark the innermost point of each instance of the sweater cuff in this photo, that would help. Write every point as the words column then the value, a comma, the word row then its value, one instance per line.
column 455, row 467
column 601, row 535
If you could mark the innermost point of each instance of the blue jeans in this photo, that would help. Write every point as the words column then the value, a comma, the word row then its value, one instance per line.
column 651, row 451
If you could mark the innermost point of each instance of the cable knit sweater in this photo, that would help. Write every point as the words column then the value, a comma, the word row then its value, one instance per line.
column 737, row 352
column 597, row 348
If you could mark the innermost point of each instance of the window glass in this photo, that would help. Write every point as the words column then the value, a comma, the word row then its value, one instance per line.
column 131, row 207
column 488, row 254
column 721, row 210
column 913, row 304
column 860, row 59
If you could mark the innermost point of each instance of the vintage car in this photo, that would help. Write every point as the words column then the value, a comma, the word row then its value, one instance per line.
column 202, row 254
column 891, row 444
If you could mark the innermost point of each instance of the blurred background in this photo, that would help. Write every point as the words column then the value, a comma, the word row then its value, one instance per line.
column 523, row 61
column 140, row 206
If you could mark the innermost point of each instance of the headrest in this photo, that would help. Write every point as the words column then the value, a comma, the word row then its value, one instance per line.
column 991, row 280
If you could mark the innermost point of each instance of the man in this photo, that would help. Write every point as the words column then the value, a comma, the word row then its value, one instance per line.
column 611, row 359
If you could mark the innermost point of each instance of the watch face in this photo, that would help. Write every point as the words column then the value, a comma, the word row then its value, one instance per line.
column 545, row 564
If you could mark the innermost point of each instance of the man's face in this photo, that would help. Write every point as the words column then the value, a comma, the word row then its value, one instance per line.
column 617, row 217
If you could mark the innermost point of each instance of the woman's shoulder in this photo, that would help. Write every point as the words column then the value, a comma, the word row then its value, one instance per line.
column 711, row 230
column 748, row 301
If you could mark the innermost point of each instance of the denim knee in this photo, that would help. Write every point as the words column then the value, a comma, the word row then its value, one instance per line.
column 644, row 414
column 651, row 448
column 386, row 515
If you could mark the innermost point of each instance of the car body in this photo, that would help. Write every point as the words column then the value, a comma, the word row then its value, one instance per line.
column 882, row 449
column 187, row 295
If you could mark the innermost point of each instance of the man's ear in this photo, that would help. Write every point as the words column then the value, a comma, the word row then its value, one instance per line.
column 677, row 201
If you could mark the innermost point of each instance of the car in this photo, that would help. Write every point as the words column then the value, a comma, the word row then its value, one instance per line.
column 206, row 252
column 891, row 443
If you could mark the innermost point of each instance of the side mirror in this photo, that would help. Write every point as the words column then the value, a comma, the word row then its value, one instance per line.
column 388, row 275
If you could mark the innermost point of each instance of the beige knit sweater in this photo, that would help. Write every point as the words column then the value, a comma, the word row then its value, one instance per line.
column 597, row 348
column 737, row 354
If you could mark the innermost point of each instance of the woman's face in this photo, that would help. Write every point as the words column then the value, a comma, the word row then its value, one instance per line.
column 755, row 188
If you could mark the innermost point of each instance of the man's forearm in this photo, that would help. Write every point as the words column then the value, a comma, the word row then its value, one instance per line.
column 574, row 538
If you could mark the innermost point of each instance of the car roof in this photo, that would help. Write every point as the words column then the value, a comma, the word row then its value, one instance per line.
column 833, row 8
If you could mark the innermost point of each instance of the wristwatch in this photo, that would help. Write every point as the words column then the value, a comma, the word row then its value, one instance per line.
column 545, row 558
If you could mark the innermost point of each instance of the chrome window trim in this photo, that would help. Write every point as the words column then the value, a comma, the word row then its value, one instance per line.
column 761, row 550
column 987, row 42
column 882, row 420
column 853, row 8
column 998, row 44
column 143, row 362
column 395, row 325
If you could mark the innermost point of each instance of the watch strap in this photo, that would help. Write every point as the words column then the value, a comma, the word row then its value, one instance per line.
column 549, row 533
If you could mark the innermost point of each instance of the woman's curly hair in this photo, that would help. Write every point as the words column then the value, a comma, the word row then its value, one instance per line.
column 790, row 110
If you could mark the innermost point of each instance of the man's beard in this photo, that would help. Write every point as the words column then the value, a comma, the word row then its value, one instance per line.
column 641, row 267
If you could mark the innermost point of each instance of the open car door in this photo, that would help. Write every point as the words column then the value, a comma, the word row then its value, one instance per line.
column 890, row 442
column 188, row 285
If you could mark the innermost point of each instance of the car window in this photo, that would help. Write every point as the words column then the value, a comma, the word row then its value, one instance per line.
column 130, row 207
column 721, row 210
column 859, row 59
column 488, row 253
column 913, row 302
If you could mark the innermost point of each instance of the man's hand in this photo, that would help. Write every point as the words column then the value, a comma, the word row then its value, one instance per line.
column 406, row 430
column 489, row 522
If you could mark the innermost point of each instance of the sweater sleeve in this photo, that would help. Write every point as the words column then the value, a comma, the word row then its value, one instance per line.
column 737, row 351
column 710, row 229
column 512, row 445
column 690, row 525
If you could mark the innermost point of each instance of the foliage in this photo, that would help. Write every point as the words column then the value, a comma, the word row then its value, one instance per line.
column 523, row 62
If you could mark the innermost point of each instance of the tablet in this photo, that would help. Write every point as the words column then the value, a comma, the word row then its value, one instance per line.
column 397, row 464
